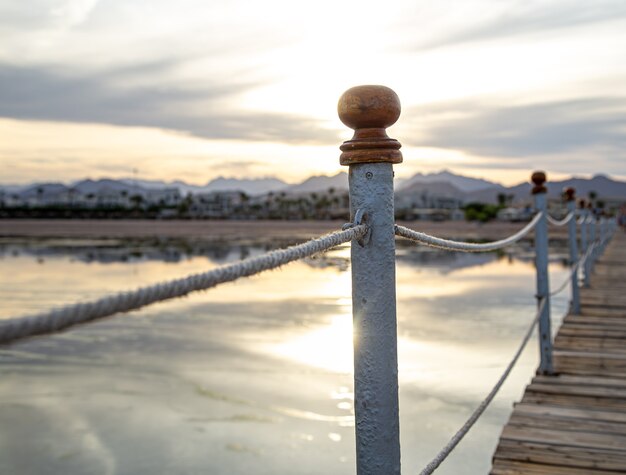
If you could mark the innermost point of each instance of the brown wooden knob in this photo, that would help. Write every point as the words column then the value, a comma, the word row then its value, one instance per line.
column 569, row 193
column 538, row 178
column 369, row 110
column 582, row 204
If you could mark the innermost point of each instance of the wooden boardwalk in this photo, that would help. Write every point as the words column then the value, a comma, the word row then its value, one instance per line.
column 575, row 423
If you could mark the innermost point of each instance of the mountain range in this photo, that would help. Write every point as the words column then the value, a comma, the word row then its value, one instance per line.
column 442, row 184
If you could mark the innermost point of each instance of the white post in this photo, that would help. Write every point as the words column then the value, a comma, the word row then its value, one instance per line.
column 370, row 154
column 584, row 242
column 602, row 232
column 570, row 195
column 541, row 263
column 592, row 238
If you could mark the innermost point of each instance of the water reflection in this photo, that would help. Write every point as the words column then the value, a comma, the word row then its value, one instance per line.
column 253, row 377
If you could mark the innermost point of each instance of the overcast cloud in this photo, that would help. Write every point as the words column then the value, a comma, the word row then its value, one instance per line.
column 503, row 82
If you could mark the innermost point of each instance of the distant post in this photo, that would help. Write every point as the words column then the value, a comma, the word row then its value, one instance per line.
column 584, row 243
column 592, row 236
column 570, row 196
column 602, row 230
column 539, row 192
column 370, row 154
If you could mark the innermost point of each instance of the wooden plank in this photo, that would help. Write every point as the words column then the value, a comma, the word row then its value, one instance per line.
column 593, row 331
column 570, row 413
column 605, row 345
column 572, row 362
column 557, row 455
column 510, row 467
column 603, row 443
column 563, row 424
column 578, row 380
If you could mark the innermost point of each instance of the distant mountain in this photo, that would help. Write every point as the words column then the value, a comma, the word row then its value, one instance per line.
column 320, row 183
column 253, row 186
column 12, row 188
column 604, row 187
column 413, row 190
column 94, row 186
column 442, row 189
column 38, row 189
column 460, row 182
column 429, row 195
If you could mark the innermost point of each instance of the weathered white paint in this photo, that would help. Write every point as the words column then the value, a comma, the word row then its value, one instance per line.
column 592, row 239
column 543, row 285
column 584, row 244
column 374, row 314
column 573, row 257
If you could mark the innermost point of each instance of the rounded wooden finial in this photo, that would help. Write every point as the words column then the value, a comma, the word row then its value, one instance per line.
column 369, row 110
column 538, row 178
column 582, row 204
column 569, row 193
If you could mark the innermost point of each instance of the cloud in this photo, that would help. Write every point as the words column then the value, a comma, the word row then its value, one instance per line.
column 526, row 18
column 120, row 96
column 36, row 14
column 524, row 130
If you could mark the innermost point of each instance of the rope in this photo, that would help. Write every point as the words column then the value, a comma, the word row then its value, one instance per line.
column 62, row 318
column 562, row 222
column 454, row 441
column 466, row 246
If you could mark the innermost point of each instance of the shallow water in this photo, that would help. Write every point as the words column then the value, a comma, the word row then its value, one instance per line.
column 255, row 376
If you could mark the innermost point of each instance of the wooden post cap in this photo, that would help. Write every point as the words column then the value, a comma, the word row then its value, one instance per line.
column 569, row 193
column 582, row 204
column 369, row 110
column 538, row 178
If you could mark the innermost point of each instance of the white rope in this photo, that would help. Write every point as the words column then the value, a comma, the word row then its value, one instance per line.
column 466, row 246
column 562, row 222
column 59, row 319
column 441, row 456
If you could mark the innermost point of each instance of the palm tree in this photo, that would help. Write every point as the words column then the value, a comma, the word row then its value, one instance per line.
column 592, row 196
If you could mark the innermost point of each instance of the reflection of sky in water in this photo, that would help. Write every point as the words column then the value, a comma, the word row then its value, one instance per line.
column 252, row 377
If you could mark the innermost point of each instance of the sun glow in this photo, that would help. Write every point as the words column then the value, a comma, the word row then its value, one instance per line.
column 328, row 347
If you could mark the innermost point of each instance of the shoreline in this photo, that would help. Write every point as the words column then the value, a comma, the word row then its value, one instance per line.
column 239, row 229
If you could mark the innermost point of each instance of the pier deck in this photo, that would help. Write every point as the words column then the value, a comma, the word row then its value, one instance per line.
column 574, row 423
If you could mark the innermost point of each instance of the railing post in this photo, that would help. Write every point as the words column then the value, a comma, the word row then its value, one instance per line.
column 570, row 196
column 370, row 154
column 584, row 242
column 541, row 263
column 592, row 236
column 602, row 232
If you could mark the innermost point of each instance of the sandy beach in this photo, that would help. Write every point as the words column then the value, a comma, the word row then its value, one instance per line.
column 232, row 229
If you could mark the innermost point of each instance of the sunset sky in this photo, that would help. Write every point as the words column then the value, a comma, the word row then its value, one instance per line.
column 195, row 89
